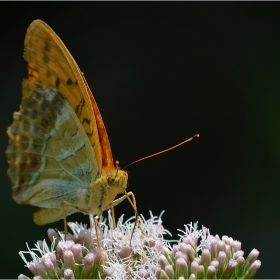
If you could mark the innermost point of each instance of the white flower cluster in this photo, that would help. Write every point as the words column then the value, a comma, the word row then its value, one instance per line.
column 197, row 254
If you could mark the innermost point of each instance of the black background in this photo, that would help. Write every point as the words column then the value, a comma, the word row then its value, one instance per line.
column 161, row 72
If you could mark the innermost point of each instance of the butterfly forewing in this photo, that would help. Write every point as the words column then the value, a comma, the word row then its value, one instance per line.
column 51, row 64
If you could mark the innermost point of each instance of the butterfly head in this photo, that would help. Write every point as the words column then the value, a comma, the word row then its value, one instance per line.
column 117, row 180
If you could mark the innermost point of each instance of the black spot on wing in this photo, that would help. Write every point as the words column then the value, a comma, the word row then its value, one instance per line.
column 57, row 82
column 86, row 120
column 69, row 82
column 79, row 107
column 89, row 134
column 47, row 46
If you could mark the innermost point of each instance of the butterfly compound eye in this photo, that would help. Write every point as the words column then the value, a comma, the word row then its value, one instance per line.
column 117, row 163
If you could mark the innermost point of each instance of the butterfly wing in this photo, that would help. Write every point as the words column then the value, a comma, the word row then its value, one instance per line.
column 56, row 148
column 51, row 64
column 51, row 158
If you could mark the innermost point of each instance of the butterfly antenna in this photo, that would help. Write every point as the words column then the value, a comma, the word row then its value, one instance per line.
column 166, row 150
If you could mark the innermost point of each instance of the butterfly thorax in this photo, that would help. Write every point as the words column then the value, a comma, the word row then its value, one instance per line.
column 105, row 189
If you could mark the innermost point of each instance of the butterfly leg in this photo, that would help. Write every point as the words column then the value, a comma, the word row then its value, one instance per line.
column 64, row 204
column 113, row 217
column 98, row 239
column 133, row 204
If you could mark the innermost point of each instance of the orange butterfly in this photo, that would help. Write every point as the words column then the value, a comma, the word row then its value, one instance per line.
column 59, row 152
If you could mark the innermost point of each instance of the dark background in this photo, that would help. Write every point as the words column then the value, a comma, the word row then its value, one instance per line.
column 161, row 72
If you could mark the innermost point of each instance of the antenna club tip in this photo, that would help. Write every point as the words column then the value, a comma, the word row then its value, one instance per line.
column 196, row 136
column 117, row 163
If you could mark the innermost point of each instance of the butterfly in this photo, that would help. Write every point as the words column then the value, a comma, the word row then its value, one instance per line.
column 59, row 152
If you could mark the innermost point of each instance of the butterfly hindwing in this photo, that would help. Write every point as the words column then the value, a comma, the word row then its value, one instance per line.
column 51, row 158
